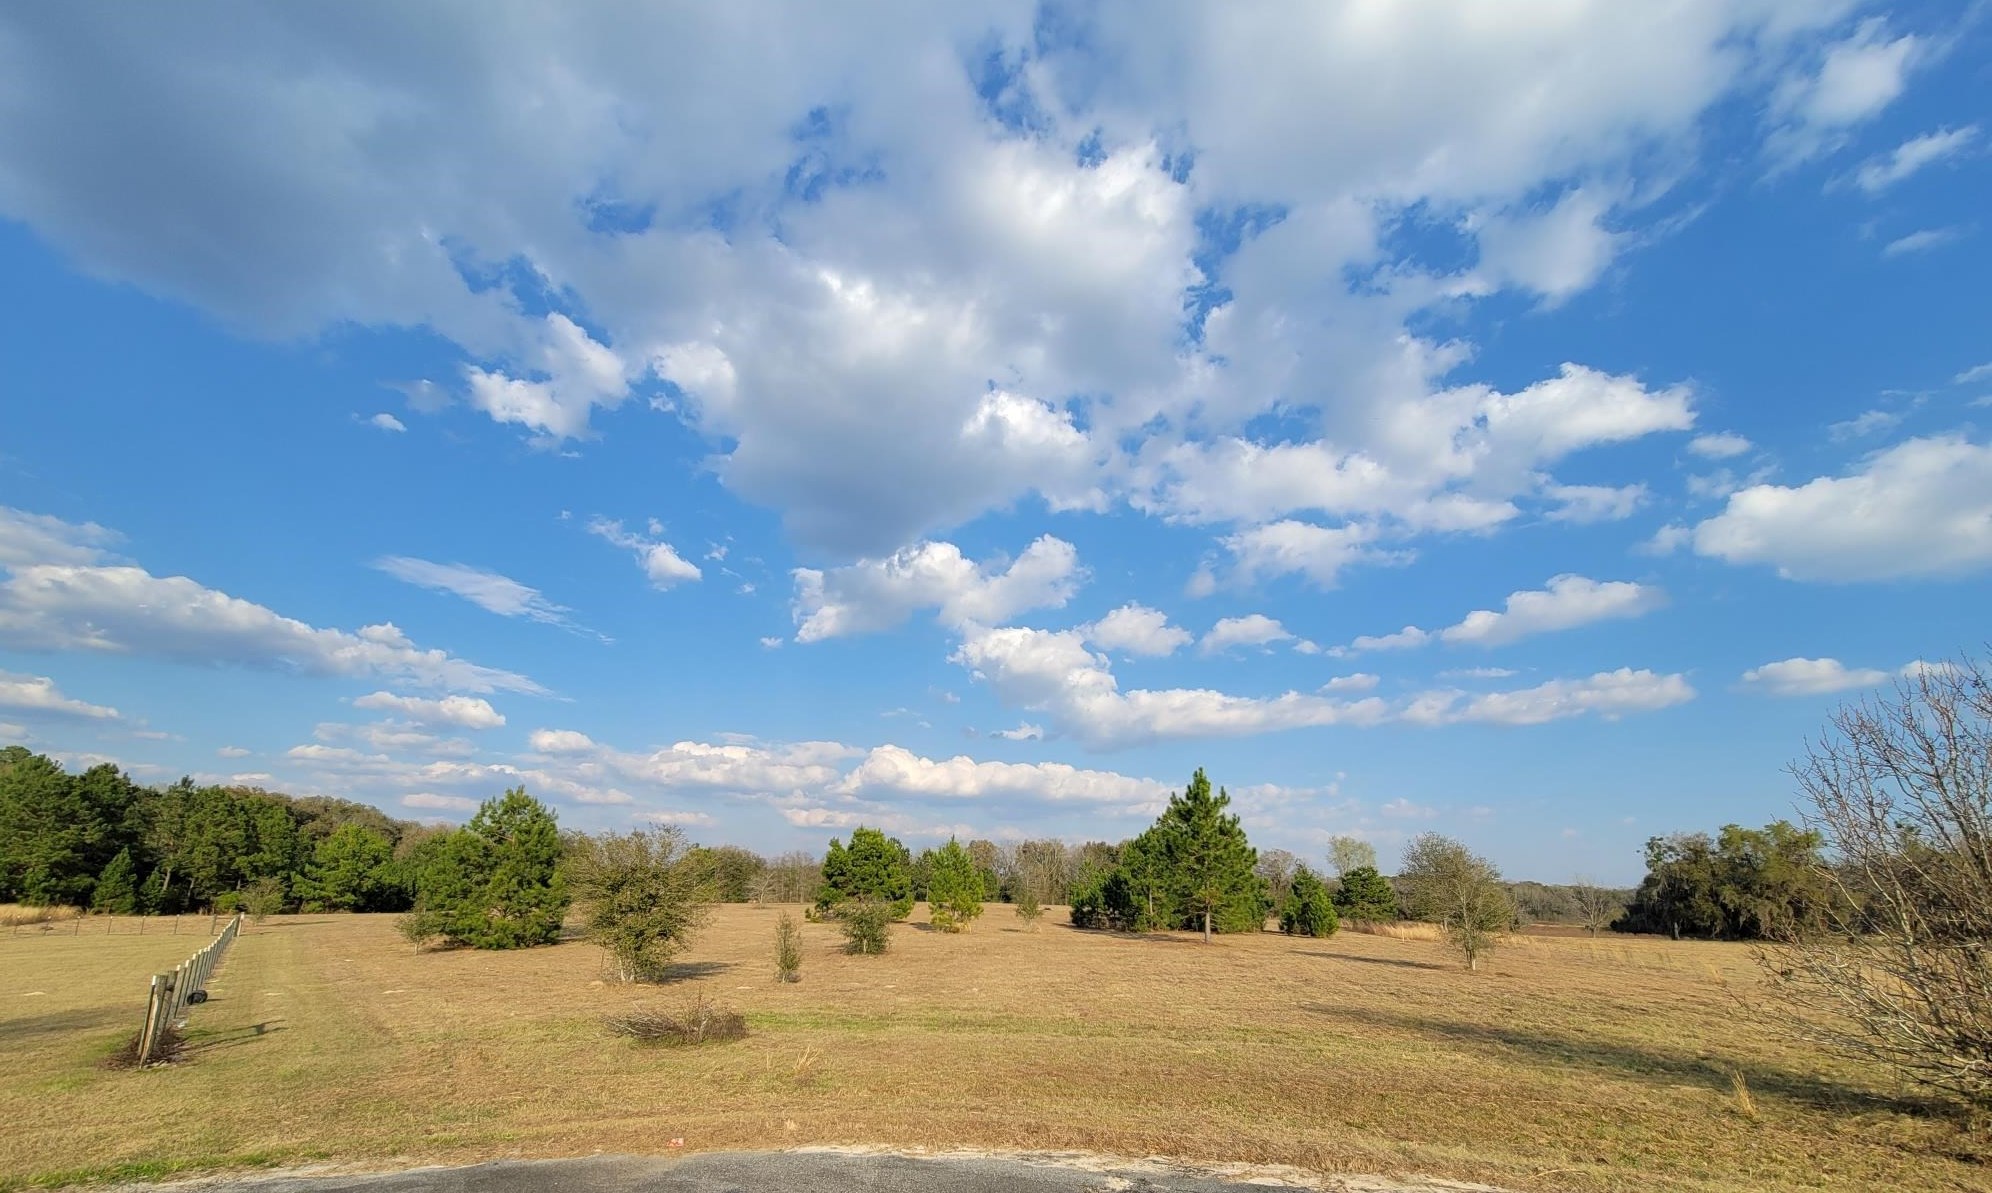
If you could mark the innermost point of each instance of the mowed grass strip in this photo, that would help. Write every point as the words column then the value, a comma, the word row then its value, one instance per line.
column 1568, row 1064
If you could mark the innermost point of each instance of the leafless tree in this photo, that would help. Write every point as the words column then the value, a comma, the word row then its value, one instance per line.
column 1900, row 787
column 1347, row 853
column 1597, row 906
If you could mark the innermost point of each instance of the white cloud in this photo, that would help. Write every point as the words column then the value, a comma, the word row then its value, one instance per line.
column 429, row 800
column 678, row 817
column 71, row 604
column 394, row 737
column 1719, row 445
column 1921, row 241
column 1317, row 552
column 1856, row 78
column 1973, row 374
column 911, row 315
column 38, row 694
column 486, row 589
column 877, row 594
column 1023, row 732
column 773, row 643
column 1135, row 629
column 1913, row 155
column 1608, row 694
column 1566, row 602
column 27, row 538
column 1810, row 677
column 1477, row 673
column 232, row 752
column 466, row 712
column 1359, row 682
column 386, row 422
column 1920, row 508
column 1868, row 422
column 1584, row 504
column 891, row 772
column 1404, row 809
column 1253, row 629
column 660, row 560
column 560, row 741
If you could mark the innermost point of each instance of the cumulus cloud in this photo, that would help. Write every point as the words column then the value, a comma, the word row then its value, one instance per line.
column 1914, row 155
column 1608, row 694
column 1317, row 552
column 1358, row 682
column 660, row 560
column 1566, row 602
column 464, row 712
column 1253, row 629
column 877, row 594
column 888, row 302
column 38, row 695
column 1719, row 445
column 892, row 772
column 1920, row 508
column 1135, row 629
column 1585, row 504
column 1810, row 677
column 78, row 603
column 386, row 422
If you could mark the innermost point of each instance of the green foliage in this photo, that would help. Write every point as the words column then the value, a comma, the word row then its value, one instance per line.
column 955, row 888
column 496, row 883
column 643, row 895
column 419, row 927
column 350, row 871
column 866, row 924
column 1208, row 864
column 874, row 867
column 1029, row 909
column 1746, row 884
column 1347, row 854
column 1460, row 891
column 731, row 874
column 1308, row 911
column 264, row 898
column 1105, row 899
column 1365, row 895
column 788, row 949
column 117, row 887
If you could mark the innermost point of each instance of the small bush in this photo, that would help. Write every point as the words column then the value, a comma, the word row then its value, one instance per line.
column 866, row 924
column 264, row 898
column 701, row 1022
column 1029, row 909
column 788, row 949
column 1308, row 911
column 418, row 928
column 1106, row 901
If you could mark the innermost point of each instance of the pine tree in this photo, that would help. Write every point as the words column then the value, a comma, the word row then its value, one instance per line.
column 1308, row 910
column 1366, row 895
column 874, row 866
column 348, row 871
column 955, row 888
column 117, row 886
column 496, row 883
column 1209, row 863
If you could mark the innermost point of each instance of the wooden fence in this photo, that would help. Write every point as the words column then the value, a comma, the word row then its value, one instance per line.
column 173, row 992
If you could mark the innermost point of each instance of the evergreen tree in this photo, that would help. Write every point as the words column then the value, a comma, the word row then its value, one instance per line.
column 1105, row 899
column 874, row 866
column 117, row 886
column 1366, row 895
column 349, row 871
column 956, row 890
column 1308, row 911
column 1209, row 864
column 496, row 883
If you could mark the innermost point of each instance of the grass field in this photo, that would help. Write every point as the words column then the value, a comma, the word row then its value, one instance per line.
column 1568, row 1064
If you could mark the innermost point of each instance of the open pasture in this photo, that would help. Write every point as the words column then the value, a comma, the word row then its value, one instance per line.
column 1567, row 1064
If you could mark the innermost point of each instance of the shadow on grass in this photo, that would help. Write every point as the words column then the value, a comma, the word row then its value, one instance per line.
column 1399, row 962
column 92, row 1019
column 234, row 1037
column 680, row 971
column 1672, row 1067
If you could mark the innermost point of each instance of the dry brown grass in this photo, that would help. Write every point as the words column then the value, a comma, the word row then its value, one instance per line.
column 15, row 915
column 1564, row 1065
column 1396, row 929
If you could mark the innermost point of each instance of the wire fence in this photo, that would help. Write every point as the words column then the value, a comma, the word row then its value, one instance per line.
column 202, row 924
column 173, row 993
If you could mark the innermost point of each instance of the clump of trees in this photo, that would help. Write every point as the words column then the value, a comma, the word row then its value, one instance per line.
column 1308, row 910
column 956, row 888
column 1462, row 892
column 873, row 868
column 642, row 894
column 1364, row 895
column 1893, row 962
column 1192, row 869
column 1743, row 884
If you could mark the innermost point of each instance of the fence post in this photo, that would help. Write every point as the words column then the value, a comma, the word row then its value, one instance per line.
column 170, row 991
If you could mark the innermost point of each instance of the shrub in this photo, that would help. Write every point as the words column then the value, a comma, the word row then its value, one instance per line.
column 1308, row 911
column 1459, row 890
column 866, row 924
column 701, row 1022
column 418, row 928
column 1366, row 895
column 1029, row 909
column 954, row 888
column 788, row 949
column 643, row 895
column 1105, row 901
column 264, row 898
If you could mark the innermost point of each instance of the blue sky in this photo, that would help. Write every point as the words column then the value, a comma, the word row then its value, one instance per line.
column 973, row 419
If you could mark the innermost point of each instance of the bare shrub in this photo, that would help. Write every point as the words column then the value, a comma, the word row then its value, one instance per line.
column 701, row 1022
column 1597, row 906
column 1461, row 891
column 1900, row 970
column 788, row 949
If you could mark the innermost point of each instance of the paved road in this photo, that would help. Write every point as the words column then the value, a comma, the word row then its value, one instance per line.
column 800, row 1172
